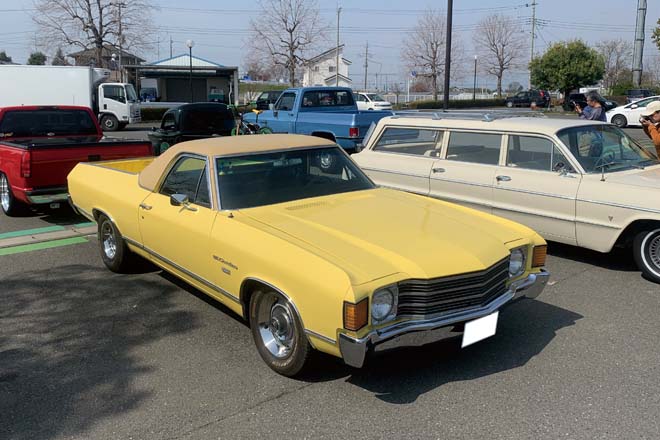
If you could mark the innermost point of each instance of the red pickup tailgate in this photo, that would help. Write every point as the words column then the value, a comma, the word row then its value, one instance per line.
column 50, row 161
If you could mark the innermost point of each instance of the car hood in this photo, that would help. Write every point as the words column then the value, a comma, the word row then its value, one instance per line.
column 647, row 178
column 374, row 233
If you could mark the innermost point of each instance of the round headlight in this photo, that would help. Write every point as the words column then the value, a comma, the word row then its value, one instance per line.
column 381, row 304
column 516, row 262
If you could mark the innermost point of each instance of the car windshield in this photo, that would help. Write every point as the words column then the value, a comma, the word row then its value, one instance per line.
column 265, row 179
column 375, row 97
column 605, row 148
column 47, row 122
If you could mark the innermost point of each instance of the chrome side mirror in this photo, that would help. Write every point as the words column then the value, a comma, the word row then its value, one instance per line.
column 179, row 200
column 271, row 106
column 561, row 167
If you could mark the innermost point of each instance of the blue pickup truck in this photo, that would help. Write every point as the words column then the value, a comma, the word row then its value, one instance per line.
column 327, row 112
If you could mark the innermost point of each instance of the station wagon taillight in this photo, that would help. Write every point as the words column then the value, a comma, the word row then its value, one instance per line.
column 26, row 164
column 353, row 132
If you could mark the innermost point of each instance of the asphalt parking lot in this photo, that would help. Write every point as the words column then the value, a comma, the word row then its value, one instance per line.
column 88, row 354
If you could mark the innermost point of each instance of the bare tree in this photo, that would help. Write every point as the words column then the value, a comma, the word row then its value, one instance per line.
column 285, row 31
column 91, row 24
column 618, row 60
column 261, row 68
column 498, row 41
column 424, row 49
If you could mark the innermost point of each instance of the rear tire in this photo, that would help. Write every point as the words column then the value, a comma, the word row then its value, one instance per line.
column 114, row 252
column 509, row 104
column 109, row 123
column 646, row 249
column 10, row 206
column 620, row 121
column 278, row 333
column 265, row 130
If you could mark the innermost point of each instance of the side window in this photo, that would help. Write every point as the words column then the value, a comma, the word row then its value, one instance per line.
column 534, row 153
column 286, row 101
column 169, row 122
column 186, row 178
column 115, row 93
column 419, row 142
column 474, row 147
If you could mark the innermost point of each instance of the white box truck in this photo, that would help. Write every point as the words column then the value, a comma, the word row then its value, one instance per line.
column 115, row 104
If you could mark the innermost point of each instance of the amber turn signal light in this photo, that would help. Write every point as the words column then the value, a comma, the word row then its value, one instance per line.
column 538, row 258
column 356, row 315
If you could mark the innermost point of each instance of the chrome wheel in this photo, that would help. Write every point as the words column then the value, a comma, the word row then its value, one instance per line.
column 5, row 199
column 108, row 240
column 647, row 253
column 277, row 328
column 653, row 248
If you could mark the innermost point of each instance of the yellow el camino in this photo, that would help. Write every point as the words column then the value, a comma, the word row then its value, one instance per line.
column 290, row 234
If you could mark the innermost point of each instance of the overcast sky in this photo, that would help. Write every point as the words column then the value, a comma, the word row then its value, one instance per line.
column 220, row 29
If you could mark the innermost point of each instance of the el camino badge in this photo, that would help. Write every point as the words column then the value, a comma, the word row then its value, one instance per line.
column 226, row 263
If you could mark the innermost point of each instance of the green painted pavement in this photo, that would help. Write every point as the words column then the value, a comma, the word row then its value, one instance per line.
column 84, row 225
column 40, row 246
column 31, row 231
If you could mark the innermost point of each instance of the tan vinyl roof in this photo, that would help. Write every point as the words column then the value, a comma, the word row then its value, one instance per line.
column 226, row 146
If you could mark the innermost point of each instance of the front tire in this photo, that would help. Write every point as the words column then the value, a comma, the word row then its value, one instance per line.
column 509, row 104
column 10, row 206
column 278, row 333
column 114, row 252
column 109, row 123
column 646, row 249
column 265, row 130
column 620, row 121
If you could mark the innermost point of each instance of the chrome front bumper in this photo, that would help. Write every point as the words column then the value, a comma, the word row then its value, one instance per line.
column 421, row 332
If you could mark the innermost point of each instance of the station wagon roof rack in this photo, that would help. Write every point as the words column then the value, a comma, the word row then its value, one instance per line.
column 475, row 115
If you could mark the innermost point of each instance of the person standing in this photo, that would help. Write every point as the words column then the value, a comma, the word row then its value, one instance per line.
column 594, row 110
column 650, row 120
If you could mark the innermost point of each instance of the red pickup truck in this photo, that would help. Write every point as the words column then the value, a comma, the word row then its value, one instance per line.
column 40, row 145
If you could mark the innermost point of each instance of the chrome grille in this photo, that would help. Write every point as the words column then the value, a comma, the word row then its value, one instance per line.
column 424, row 298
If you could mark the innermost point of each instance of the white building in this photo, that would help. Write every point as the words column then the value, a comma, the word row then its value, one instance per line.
column 322, row 69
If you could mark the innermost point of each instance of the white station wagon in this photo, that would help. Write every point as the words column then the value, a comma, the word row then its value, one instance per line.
column 578, row 182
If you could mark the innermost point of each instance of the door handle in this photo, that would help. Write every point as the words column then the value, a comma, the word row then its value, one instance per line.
column 503, row 178
column 145, row 206
column 438, row 170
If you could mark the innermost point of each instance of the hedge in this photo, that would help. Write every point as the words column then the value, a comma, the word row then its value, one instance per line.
column 463, row 103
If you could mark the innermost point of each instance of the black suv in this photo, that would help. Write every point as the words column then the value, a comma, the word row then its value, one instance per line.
column 267, row 97
column 525, row 98
column 633, row 95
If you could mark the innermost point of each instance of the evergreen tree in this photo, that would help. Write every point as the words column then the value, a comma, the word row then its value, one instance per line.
column 59, row 59
column 37, row 59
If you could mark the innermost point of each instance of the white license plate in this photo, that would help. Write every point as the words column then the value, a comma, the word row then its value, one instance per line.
column 479, row 329
column 54, row 205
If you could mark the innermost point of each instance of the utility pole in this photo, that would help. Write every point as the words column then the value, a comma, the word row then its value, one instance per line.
column 121, row 72
column 531, row 58
column 366, row 65
column 337, row 72
column 450, row 6
column 639, row 43
column 170, row 46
